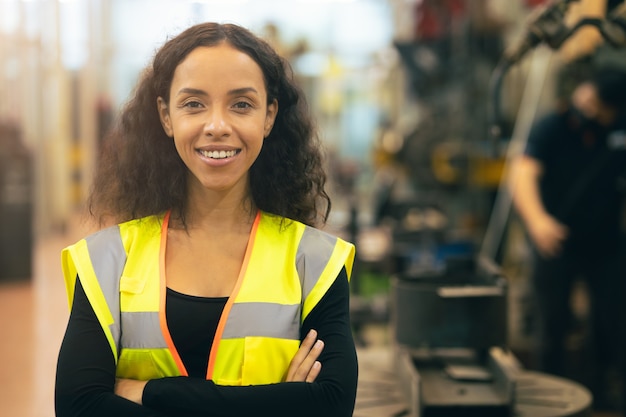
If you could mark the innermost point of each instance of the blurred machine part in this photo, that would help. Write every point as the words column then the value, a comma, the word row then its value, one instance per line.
column 450, row 353
column 16, row 206
column 547, row 25
column 449, row 315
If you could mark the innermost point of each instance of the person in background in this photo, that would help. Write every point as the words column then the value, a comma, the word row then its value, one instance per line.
column 209, row 290
column 566, row 189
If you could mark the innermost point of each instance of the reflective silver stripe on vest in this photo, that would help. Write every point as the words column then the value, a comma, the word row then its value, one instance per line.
column 280, row 320
column 263, row 319
column 139, row 331
column 318, row 246
column 108, row 258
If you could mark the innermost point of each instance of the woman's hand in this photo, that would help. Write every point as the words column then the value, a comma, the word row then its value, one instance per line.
column 130, row 389
column 304, row 366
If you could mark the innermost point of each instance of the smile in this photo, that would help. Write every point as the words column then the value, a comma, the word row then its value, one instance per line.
column 218, row 154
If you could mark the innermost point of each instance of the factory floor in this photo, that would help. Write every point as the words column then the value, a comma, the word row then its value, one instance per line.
column 34, row 315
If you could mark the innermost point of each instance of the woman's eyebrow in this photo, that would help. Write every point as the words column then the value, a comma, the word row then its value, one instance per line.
column 243, row 90
column 188, row 90
column 233, row 92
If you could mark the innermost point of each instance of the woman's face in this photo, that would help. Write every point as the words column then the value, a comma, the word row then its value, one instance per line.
column 218, row 116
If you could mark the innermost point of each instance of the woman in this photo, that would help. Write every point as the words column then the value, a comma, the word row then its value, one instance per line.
column 207, row 295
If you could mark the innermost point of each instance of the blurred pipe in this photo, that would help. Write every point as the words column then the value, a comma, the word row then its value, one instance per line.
column 495, row 89
column 533, row 90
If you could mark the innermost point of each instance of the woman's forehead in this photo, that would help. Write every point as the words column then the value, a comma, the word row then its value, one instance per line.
column 219, row 64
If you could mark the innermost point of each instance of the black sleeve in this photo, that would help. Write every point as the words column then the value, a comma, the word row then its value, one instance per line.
column 541, row 144
column 85, row 375
column 331, row 395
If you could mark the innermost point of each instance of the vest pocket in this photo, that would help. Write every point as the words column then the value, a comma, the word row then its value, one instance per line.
column 145, row 364
column 132, row 285
column 266, row 360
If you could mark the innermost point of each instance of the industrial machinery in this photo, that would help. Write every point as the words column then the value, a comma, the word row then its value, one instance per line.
column 449, row 316
column 451, row 358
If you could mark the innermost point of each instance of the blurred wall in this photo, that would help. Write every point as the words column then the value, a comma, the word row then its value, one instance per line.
column 67, row 66
column 48, row 88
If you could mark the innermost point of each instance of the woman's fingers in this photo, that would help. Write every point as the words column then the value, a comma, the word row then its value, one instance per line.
column 314, row 372
column 304, row 365
column 299, row 357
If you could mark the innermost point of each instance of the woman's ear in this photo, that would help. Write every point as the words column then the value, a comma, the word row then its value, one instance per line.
column 270, row 117
column 164, row 115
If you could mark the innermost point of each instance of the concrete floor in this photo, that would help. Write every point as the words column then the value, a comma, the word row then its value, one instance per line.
column 34, row 317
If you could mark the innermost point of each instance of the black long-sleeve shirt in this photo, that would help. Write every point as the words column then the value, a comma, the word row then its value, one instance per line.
column 86, row 367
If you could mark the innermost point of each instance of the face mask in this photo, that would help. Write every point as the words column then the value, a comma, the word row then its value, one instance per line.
column 584, row 124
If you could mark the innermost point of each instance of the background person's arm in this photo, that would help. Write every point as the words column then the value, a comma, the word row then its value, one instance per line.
column 546, row 232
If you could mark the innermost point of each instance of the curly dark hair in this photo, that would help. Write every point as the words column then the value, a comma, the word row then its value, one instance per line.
column 140, row 172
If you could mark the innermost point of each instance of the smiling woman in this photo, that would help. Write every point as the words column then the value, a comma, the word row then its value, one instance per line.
column 209, row 291
column 218, row 128
column 290, row 164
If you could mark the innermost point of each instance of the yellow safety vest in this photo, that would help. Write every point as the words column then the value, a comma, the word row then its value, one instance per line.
column 287, row 269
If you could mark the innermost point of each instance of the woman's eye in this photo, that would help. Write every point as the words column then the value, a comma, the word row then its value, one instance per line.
column 193, row 104
column 242, row 105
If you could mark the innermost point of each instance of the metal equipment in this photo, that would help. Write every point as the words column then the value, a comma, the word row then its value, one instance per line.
column 450, row 349
column 449, row 317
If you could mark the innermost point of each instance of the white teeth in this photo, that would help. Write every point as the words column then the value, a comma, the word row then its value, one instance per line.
column 218, row 154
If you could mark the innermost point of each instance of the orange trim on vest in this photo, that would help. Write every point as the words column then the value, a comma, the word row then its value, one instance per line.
column 162, row 317
column 231, row 299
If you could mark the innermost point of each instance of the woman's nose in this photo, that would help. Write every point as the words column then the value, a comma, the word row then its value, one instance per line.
column 217, row 123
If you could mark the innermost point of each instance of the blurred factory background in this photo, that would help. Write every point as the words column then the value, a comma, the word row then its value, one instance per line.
column 402, row 91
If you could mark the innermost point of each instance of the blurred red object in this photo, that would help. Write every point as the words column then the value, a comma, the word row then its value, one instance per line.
column 534, row 3
column 433, row 17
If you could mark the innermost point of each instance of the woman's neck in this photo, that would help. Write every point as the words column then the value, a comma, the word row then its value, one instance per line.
column 220, row 218
column 216, row 214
